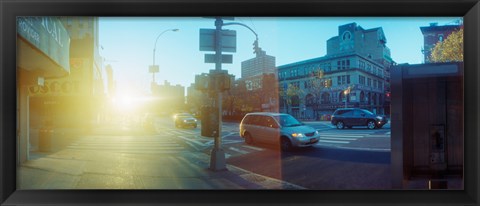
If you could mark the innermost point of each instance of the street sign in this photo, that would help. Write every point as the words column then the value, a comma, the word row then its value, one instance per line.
column 153, row 69
column 207, row 40
column 226, row 58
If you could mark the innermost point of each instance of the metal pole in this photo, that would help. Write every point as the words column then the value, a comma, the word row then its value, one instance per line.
column 217, row 156
column 154, row 48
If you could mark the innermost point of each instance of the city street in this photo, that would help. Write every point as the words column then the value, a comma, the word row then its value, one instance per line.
column 343, row 159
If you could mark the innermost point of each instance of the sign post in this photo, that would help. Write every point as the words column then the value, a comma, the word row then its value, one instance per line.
column 217, row 156
column 218, row 40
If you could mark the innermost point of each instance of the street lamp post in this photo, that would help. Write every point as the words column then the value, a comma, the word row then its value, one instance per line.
column 154, row 68
column 345, row 93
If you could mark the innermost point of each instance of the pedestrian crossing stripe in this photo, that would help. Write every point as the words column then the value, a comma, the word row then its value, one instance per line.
column 336, row 138
column 336, row 135
column 238, row 150
column 128, row 148
column 332, row 141
column 254, row 148
column 140, row 151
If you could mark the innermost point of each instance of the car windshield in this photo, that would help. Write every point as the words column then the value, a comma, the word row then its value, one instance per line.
column 287, row 121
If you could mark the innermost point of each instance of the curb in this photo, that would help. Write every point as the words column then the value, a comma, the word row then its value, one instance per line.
column 264, row 181
column 261, row 180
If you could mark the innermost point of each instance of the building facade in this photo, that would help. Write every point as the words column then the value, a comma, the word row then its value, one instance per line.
column 43, row 47
column 75, row 100
column 169, row 98
column 353, row 73
column 261, row 64
column 60, row 76
column 433, row 34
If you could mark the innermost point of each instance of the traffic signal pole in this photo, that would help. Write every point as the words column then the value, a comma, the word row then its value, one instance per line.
column 217, row 156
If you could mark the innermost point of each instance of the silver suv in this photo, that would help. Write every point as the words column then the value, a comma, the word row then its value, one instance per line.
column 277, row 128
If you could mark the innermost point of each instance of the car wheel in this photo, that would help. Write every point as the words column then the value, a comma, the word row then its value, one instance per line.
column 340, row 125
column 248, row 138
column 285, row 144
column 371, row 124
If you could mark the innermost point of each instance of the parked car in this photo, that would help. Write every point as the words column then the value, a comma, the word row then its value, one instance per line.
column 349, row 117
column 185, row 120
column 277, row 128
column 180, row 114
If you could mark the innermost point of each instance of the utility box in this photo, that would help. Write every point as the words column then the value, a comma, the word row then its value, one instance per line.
column 427, row 122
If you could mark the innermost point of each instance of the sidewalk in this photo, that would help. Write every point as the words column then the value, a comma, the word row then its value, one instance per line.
column 73, row 169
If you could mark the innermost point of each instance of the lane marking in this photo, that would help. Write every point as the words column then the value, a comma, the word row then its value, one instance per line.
column 335, row 138
column 254, row 148
column 130, row 149
column 347, row 136
column 238, row 150
column 331, row 141
column 193, row 141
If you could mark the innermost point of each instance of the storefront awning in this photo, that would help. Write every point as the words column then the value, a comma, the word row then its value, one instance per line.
column 43, row 46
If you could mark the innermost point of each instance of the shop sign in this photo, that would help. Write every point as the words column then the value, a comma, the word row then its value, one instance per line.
column 48, row 35
column 56, row 87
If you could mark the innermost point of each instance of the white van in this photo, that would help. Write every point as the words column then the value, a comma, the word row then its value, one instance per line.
column 277, row 128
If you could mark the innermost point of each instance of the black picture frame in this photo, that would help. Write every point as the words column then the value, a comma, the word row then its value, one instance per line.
column 469, row 9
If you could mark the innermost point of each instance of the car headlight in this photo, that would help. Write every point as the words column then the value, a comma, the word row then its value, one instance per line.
column 316, row 132
column 297, row 135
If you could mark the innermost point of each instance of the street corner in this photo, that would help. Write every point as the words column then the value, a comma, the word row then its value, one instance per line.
column 262, row 181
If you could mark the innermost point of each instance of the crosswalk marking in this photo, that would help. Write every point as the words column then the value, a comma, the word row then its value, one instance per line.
column 351, row 136
column 254, row 148
column 331, row 141
column 137, row 145
column 337, row 138
column 238, row 150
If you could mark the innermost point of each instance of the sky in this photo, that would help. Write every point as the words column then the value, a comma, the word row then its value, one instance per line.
column 127, row 43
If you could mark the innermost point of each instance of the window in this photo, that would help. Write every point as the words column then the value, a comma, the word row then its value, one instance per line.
column 347, row 36
column 269, row 122
column 348, row 64
column 380, row 85
column 348, row 79
column 343, row 80
column 369, row 82
column 361, row 80
column 358, row 113
column 339, row 80
column 361, row 64
column 375, row 84
column 338, row 65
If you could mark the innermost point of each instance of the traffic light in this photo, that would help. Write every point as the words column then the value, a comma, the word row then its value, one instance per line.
column 219, row 80
column 210, row 123
column 255, row 47
column 202, row 82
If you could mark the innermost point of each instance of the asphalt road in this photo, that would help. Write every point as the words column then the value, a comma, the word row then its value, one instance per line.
column 343, row 159
column 356, row 158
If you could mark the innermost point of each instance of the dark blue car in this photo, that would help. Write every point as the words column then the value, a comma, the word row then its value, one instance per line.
column 349, row 117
